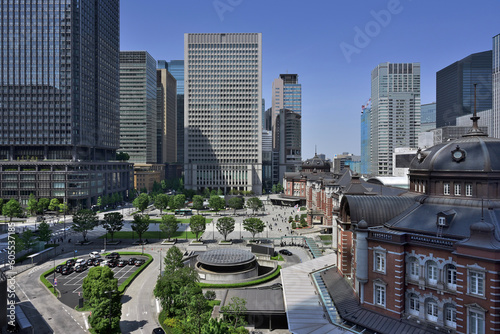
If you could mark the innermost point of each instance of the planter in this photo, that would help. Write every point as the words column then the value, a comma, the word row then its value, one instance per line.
column 225, row 243
column 166, row 242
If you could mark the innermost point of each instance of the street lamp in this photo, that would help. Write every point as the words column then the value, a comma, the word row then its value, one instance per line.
column 160, row 261
column 109, row 295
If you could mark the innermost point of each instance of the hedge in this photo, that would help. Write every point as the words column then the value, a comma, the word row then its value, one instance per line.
column 243, row 284
column 46, row 282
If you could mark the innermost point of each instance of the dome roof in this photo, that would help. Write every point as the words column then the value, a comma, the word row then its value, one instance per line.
column 316, row 163
column 469, row 153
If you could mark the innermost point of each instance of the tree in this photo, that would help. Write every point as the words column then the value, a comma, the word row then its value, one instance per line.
column 216, row 203
column 173, row 260
column 254, row 226
column 12, row 209
column 235, row 203
column 303, row 222
column 54, row 204
column 141, row 202
column 197, row 223
column 225, row 225
column 206, row 193
column 140, row 225
column 178, row 202
column 161, row 202
column 44, row 232
column 63, row 208
column 169, row 225
column 1, row 205
column 198, row 202
column 214, row 326
column 43, row 205
column 113, row 222
column 28, row 240
column 122, row 156
column 254, row 203
column 235, row 312
column 84, row 220
column 100, row 290
column 32, row 204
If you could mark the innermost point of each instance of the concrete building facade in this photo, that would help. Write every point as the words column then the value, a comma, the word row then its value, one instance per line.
column 166, row 124
column 222, row 111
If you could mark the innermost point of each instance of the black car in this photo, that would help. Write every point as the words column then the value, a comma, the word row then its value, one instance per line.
column 79, row 268
column 112, row 263
column 70, row 262
column 158, row 330
column 66, row 270
column 113, row 255
column 139, row 262
column 122, row 263
column 59, row 268
column 132, row 260
column 285, row 252
column 97, row 262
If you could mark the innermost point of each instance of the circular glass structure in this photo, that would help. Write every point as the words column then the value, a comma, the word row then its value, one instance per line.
column 227, row 261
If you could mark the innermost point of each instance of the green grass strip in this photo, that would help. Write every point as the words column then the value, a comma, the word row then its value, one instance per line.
column 153, row 235
column 239, row 285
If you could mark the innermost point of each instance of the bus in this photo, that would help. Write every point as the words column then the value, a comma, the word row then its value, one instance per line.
column 184, row 212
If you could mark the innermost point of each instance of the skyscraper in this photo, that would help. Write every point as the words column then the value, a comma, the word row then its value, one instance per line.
column 287, row 138
column 495, row 79
column 395, row 113
column 365, row 138
column 138, row 117
column 166, row 126
column 59, row 100
column 222, row 111
column 455, row 88
column 286, row 94
column 428, row 116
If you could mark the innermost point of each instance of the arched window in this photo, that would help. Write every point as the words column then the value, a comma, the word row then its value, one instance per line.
column 414, row 304
column 451, row 277
column 450, row 316
column 431, row 310
column 432, row 273
column 413, row 269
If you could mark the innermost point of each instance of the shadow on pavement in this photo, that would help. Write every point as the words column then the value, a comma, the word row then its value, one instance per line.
column 129, row 326
column 35, row 318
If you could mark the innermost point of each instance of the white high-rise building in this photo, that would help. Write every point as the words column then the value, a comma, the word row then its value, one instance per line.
column 495, row 82
column 222, row 111
column 395, row 115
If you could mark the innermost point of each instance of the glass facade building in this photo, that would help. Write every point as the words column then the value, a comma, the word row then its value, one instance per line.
column 176, row 68
column 59, row 65
column 495, row 78
column 455, row 88
column 427, row 117
column 365, row 140
column 223, row 112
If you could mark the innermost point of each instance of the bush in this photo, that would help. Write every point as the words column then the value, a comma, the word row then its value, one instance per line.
column 210, row 295
column 294, row 225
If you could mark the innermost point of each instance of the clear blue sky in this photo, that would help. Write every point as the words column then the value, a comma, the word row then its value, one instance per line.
column 307, row 38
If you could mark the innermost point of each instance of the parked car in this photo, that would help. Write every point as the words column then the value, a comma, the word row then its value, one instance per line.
column 80, row 267
column 132, row 260
column 113, row 255
column 139, row 262
column 70, row 262
column 94, row 255
column 158, row 330
column 59, row 268
column 122, row 263
column 80, row 261
column 66, row 270
column 97, row 262
column 112, row 263
column 285, row 252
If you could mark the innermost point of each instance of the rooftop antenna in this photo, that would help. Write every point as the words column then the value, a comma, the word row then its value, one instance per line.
column 475, row 131
column 315, row 150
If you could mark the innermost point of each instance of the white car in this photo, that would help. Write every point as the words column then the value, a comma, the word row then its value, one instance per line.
column 95, row 255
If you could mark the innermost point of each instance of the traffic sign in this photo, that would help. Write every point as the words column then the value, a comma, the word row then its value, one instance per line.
column 55, row 281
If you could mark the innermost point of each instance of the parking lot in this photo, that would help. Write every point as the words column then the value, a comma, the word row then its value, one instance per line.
column 70, row 285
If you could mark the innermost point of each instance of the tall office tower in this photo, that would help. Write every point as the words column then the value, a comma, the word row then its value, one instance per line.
column 428, row 117
column 267, row 160
column 365, row 138
column 59, row 101
column 287, row 136
column 166, row 125
column 455, row 88
column 495, row 79
column 138, row 106
column 286, row 94
column 176, row 68
column 395, row 114
column 222, row 111
column 267, row 119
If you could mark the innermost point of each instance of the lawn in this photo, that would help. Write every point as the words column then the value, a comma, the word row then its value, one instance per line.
column 181, row 221
column 148, row 235
column 326, row 237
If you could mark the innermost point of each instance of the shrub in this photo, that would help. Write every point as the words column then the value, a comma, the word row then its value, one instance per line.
column 294, row 225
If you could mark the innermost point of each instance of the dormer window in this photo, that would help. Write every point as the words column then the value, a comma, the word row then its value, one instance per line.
column 442, row 221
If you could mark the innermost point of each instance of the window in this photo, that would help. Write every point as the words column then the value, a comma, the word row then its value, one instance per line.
column 450, row 316
column 380, row 262
column 413, row 268
column 451, row 277
column 446, row 189
column 432, row 273
column 432, row 311
column 468, row 189
column 476, row 322
column 414, row 305
column 379, row 295
column 458, row 190
column 476, row 283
